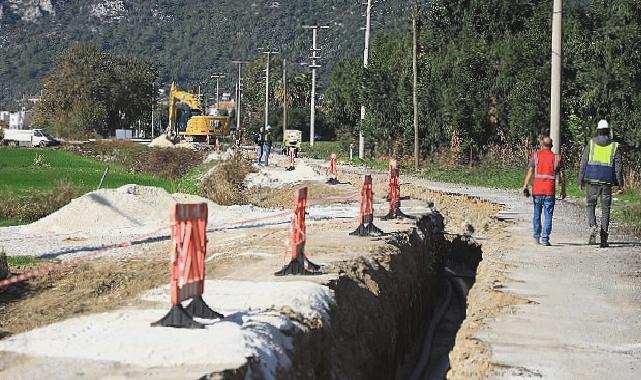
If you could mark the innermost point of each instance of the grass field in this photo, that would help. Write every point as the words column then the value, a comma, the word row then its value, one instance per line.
column 21, row 171
column 35, row 182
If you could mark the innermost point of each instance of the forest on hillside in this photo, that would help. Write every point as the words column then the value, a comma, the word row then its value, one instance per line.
column 187, row 40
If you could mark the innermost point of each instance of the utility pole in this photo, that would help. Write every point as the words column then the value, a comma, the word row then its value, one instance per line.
column 218, row 77
column 267, row 52
column 239, row 95
column 285, row 99
column 361, row 137
column 555, row 96
column 415, row 87
column 313, row 65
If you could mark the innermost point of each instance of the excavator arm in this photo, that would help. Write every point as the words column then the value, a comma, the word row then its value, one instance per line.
column 176, row 96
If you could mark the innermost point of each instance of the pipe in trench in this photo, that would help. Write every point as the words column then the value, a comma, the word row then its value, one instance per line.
column 443, row 364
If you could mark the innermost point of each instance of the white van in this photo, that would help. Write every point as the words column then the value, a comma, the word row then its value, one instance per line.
column 28, row 137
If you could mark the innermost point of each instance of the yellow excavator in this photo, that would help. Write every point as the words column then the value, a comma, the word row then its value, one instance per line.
column 200, row 127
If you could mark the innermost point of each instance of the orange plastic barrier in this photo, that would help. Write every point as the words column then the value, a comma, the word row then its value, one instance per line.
column 367, row 227
column 188, row 251
column 218, row 147
column 299, row 263
column 291, row 154
column 333, row 170
column 394, row 192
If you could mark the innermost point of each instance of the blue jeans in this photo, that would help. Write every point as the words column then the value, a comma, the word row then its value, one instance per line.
column 268, row 150
column 260, row 154
column 543, row 204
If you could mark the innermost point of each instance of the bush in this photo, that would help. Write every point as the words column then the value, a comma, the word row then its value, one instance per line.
column 226, row 184
column 159, row 162
column 170, row 163
column 38, row 204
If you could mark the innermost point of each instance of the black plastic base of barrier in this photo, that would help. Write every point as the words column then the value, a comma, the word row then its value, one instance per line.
column 290, row 168
column 333, row 181
column 367, row 230
column 297, row 267
column 178, row 318
column 397, row 214
column 197, row 308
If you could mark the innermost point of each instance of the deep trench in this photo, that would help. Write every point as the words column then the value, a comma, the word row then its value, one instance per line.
column 387, row 306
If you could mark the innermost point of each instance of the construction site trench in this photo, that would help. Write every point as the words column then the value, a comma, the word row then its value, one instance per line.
column 397, row 300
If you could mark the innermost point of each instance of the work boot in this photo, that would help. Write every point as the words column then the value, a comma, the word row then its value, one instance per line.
column 604, row 240
column 592, row 239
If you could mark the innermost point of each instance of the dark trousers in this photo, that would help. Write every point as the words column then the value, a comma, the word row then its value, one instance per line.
column 604, row 192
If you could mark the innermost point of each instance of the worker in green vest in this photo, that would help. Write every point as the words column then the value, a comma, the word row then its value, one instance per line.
column 601, row 169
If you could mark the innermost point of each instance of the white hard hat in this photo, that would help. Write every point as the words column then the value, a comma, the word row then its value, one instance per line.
column 603, row 124
column 268, row 127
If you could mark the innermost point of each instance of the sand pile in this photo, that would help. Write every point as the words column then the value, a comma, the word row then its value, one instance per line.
column 161, row 141
column 276, row 177
column 222, row 156
column 129, row 210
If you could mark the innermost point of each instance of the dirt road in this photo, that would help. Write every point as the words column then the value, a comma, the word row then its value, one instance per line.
column 569, row 311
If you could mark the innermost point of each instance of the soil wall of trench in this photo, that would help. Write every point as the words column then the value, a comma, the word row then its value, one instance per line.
column 384, row 303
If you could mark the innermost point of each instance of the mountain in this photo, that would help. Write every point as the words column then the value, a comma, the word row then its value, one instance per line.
column 187, row 40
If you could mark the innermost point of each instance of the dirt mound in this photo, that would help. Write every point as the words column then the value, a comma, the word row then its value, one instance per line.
column 128, row 210
column 276, row 177
column 161, row 141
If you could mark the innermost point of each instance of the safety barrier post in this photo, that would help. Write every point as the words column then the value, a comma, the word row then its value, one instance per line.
column 291, row 154
column 367, row 227
column 218, row 147
column 333, row 171
column 188, row 250
column 394, row 192
column 299, row 263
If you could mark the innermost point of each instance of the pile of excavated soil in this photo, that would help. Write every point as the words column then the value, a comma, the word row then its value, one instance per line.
column 128, row 210
column 161, row 141
column 276, row 177
column 222, row 156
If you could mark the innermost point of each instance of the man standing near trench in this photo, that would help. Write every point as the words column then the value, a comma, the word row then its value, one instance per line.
column 601, row 169
column 545, row 167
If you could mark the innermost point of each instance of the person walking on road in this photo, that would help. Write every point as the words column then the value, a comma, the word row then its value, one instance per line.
column 260, row 142
column 601, row 169
column 545, row 167
column 267, row 141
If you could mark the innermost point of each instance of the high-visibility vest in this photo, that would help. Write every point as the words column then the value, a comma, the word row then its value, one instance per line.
column 600, row 167
column 546, row 167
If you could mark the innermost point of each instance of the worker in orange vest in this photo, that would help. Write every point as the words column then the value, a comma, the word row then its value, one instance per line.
column 545, row 168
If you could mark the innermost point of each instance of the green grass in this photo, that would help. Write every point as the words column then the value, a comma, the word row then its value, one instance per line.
column 5, row 222
column 25, row 173
column 14, row 261
column 19, row 176
column 190, row 183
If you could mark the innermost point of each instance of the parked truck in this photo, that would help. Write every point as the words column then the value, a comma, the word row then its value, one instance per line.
column 27, row 137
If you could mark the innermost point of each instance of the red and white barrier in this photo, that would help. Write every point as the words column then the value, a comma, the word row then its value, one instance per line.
column 189, row 248
column 367, row 227
column 299, row 263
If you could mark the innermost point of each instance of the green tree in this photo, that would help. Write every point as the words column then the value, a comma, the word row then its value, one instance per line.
column 92, row 92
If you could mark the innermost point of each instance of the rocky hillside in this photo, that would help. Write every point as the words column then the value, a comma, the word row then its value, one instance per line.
column 186, row 39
